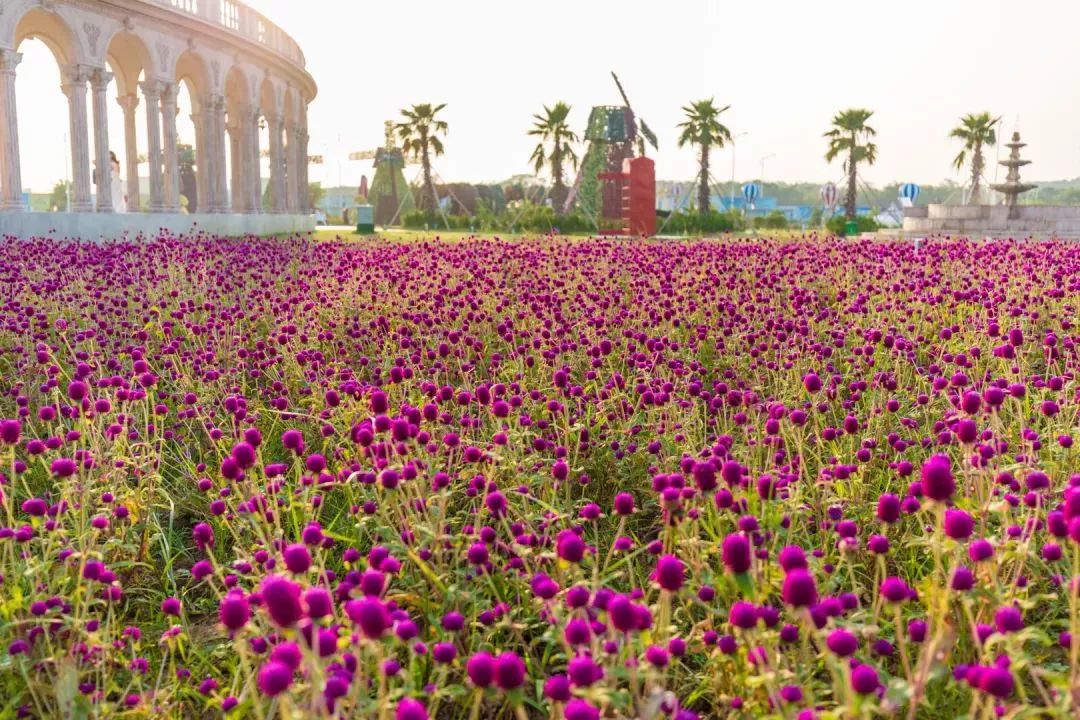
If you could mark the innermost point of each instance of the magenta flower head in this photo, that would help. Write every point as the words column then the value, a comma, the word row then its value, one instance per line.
column 744, row 615
column 170, row 606
column 580, row 710
column 888, row 508
column 234, row 611
column 937, row 478
column 481, row 669
column 409, row 709
column 569, row 546
column 800, row 589
column 996, row 681
column 792, row 557
column 842, row 643
column 10, row 432
column 282, row 600
column 297, row 558
column 958, row 524
column 670, row 573
column 274, row 678
column 624, row 503
column 509, row 671
column 895, row 590
column 736, row 553
column 811, row 382
column 864, row 680
column 370, row 615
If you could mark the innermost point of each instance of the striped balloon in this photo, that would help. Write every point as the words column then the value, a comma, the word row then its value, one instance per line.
column 750, row 192
column 909, row 191
column 829, row 195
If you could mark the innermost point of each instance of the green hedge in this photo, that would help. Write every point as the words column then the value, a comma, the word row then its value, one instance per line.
column 835, row 224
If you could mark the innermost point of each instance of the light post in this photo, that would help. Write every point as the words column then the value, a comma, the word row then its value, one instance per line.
column 731, row 201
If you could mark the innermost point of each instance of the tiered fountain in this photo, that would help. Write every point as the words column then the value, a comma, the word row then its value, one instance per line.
column 1008, row 219
column 1012, row 187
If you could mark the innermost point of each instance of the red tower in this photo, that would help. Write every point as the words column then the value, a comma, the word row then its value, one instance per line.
column 637, row 187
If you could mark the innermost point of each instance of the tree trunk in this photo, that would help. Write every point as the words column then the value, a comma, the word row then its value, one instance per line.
column 976, row 174
column 428, row 200
column 849, row 201
column 558, row 189
column 703, row 182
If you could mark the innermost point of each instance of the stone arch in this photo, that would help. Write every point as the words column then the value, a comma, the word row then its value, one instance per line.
column 51, row 29
column 193, row 74
column 238, row 110
column 129, row 58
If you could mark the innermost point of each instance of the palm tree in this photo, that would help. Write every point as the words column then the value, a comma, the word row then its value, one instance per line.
column 703, row 128
column 419, row 135
column 850, row 134
column 552, row 127
column 975, row 130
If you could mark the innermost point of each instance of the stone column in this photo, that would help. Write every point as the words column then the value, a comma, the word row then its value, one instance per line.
column 200, row 116
column 292, row 172
column 74, row 86
column 238, row 154
column 304, row 164
column 168, row 133
column 254, row 204
column 152, row 92
column 10, row 171
column 277, row 164
column 99, row 84
column 221, row 189
column 131, row 151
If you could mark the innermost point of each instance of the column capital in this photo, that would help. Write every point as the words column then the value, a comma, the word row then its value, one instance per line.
column 9, row 60
column 169, row 93
column 151, row 89
column 128, row 102
column 100, row 79
column 74, row 76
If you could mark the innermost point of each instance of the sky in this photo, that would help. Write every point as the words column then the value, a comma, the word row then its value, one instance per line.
column 785, row 67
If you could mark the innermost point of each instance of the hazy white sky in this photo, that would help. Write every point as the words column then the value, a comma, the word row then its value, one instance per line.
column 785, row 67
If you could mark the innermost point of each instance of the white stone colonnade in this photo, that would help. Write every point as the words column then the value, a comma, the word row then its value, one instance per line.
column 242, row 72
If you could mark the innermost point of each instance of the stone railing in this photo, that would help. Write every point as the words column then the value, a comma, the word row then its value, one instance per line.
column 238, row 18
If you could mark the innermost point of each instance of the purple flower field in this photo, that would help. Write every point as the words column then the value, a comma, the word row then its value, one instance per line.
column 539, row 478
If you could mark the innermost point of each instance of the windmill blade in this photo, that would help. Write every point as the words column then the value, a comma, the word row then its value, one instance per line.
column 648, row 133
column 645, row 129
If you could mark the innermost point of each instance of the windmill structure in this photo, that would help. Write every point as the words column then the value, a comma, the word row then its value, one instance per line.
column 389, row 194
column 614, row 134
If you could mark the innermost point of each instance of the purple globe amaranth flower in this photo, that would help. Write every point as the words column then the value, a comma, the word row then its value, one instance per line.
column 274, row 678
column 888, row 508
column 370, row 615
column 864, row 680
column 937, row 478
column 409, row 709
column 281, row 598
column 980, row 550
column 735, row 550
column 800, row 588
column 624, row 503
column 744, row 615
column 842, row 643
column 958, row 524
column 570, row 547
column 895, row 590
column 670, row 573
column 297, row 558
column 481, row 669
column 580, row 710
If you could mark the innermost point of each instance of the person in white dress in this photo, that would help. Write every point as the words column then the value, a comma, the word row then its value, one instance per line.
column 119, row 189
